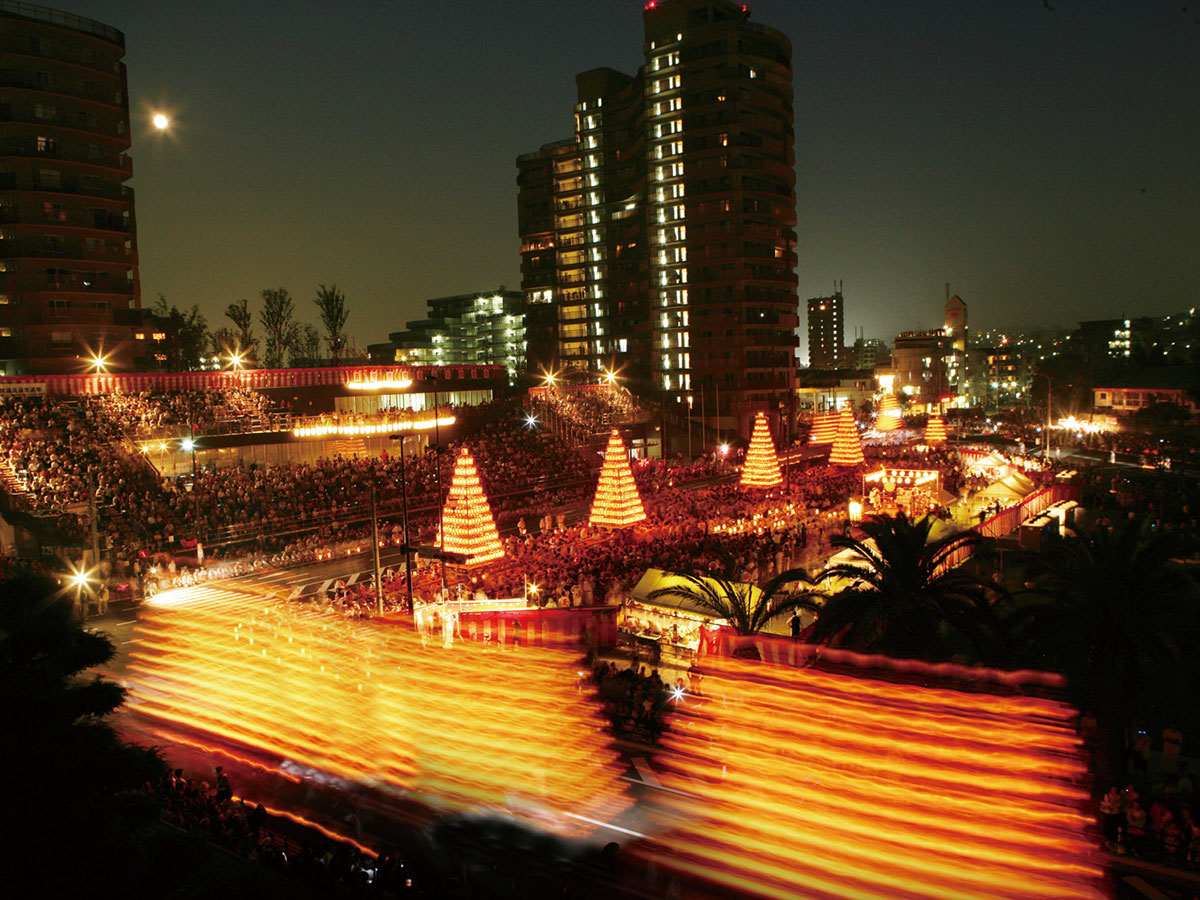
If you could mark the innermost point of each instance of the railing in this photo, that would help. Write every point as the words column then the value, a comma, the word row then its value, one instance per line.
column 63, row 19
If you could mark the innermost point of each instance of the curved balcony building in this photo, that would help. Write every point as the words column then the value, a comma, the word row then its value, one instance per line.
column 68, row 237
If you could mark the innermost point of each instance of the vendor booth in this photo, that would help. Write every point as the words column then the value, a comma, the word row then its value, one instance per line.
column 668, row 628
column 916, row 491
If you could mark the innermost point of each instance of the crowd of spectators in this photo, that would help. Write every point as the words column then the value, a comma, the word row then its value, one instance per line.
column 160, row 414
column 53, row 450
column 635, row 701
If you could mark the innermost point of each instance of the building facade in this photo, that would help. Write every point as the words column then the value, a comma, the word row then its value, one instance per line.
column 919, row 366
column 660, row 241
column 481, row 329
column 69, row 291
column 826, row 331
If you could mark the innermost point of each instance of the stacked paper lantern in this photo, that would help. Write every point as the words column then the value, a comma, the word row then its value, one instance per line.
column 617, row 503
column 825, row 427
column 847, row 449
column 762, row 466
column 935, row 431
column 467, row 516
column 889, row 414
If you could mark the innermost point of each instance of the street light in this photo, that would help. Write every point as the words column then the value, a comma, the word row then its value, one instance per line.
column 161, row 122
column 1049, row 408
column 407, row 546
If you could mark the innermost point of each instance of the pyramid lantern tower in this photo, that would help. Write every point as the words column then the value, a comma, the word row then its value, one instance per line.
column 825, row 427
column 617, row 503
column 847, row 449
column 762, row 466
column 467, row 516
column 889, row 414
column 935, row 430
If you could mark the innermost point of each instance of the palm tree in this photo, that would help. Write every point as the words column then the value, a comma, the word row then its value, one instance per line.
column 745, row 607
column 904, row 596
column 1117, row 617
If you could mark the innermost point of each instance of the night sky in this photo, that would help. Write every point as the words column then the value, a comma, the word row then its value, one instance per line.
column 1043, row 162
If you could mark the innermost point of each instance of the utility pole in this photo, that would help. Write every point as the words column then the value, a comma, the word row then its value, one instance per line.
column 375, row 545
column 407, row 543
column 438, row 460
column 93, row 511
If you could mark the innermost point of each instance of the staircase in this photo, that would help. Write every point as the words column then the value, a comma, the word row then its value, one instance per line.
column 348, row 448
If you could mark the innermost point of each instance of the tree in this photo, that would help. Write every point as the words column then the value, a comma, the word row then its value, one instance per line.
column 332, row 304
column 72, row 786
column 246, row 344
column 743, row 606
column 904, row 599
column 307, row 351
column 283, row 332
column 1117, row 617
column 310, row 346
column 184, row 337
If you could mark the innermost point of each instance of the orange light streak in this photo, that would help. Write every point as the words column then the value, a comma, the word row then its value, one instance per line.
column 460, row 728
column 817, row 785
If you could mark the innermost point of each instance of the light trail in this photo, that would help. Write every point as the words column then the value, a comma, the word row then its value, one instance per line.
column 458, row 728
column 783, row 783
column 816, row 785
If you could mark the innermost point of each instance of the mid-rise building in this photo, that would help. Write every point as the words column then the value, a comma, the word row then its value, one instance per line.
column 919, row 366
column 69, row 290
column 869, row 353
column 485, row 328
column 826, row 331
column 955, row 326
column 660, row 241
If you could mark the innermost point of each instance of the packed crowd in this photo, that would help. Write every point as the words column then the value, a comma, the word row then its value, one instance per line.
column 50, row 448
column 329, row 867
column 51, row 452
column 635, row 701
column 1163, row 828
column 171, row 413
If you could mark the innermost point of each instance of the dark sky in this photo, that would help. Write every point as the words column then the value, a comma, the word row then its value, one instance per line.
column 1045, row 163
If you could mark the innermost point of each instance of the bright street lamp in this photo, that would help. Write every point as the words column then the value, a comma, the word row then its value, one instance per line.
column 161, row 122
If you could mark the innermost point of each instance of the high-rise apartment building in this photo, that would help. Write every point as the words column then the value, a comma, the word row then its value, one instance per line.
column 660, row 240
column 68, row 247
column 826, row 331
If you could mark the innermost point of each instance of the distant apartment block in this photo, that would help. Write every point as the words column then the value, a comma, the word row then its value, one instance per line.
column 484, row 328
column 826, row 332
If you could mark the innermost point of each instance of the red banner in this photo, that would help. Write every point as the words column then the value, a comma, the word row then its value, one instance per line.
column 257, row 379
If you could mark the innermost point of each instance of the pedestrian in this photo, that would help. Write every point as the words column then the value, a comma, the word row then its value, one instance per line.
column 796, row 623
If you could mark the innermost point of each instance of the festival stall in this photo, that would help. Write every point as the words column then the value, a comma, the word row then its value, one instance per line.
column 670, row 627
column 916, row 491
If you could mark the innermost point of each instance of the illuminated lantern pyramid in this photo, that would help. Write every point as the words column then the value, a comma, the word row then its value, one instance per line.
column 847, row 449
column 469, row 526
column 762, row 467
column 935, row 430
column 889, row 414
column 825, row 427
column 617, row 503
